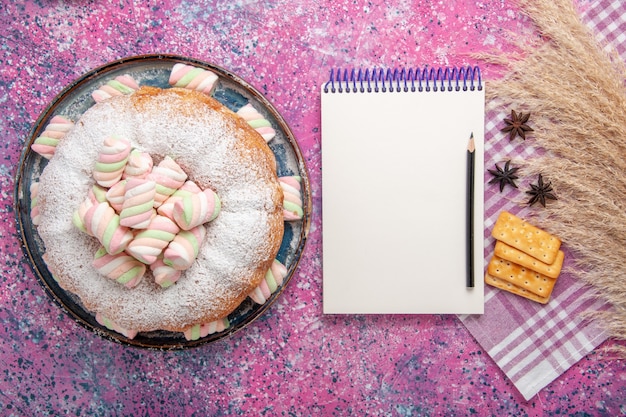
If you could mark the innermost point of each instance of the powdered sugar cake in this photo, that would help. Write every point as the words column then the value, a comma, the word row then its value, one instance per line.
column 218, row 150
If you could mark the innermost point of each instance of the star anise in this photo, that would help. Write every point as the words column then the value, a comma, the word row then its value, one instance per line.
column 540, row 192
column 516, row 125
column 504, row 176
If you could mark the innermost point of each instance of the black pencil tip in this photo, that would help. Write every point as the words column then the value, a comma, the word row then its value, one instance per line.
column 471, row 146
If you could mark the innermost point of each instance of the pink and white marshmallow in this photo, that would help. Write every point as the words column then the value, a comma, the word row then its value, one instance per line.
column 101, row 221
column 129, row 334
column 96, row 195
column 138, row 206
column 292, row 201
column 121, row 85
column 35, row 214
column 111, row 161
column 164, row 275
column 182, row 252
column 203, row 330
column 78, row 218
column 120, row 267
column 196, row 209
column 148, row 244
column 115, row 195
column 46, row 143
column 188, row 188
column 273, row 279
column 139, row 165
column 257, row 121
column 169, row 177
column 193, row 78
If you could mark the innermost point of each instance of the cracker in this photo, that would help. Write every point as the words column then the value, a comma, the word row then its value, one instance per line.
column 521, row 277
column 513, row 289
column 529, row 239
column 509, row 253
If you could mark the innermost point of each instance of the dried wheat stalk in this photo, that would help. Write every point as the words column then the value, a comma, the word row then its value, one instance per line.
column 575, row 91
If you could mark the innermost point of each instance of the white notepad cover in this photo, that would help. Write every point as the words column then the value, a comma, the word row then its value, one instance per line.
column 394, row 169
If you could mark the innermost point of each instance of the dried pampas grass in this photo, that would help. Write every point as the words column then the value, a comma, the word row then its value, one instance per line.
column 575, row 91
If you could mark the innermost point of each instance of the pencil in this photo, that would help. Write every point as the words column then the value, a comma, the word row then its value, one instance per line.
column 470, row 212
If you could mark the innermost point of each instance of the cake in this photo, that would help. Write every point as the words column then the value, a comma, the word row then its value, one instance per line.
column 225, row 161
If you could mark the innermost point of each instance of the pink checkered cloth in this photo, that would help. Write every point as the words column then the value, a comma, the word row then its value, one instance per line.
column 534, row 344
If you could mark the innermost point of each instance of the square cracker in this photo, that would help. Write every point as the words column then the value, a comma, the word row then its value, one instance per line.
column 529, row 239
column 509, row 253
column 514, row 289
column 521, row 277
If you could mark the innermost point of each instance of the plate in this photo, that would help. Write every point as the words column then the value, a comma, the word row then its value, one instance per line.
column 154, row 70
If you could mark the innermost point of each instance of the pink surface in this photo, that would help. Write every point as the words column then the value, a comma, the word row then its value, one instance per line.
column 293, row 360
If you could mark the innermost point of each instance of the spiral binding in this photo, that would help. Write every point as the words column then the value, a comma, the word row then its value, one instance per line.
column 426, row 79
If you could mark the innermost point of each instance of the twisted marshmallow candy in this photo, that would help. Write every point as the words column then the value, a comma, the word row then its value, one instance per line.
column 169, row 177
column 149, row 243
column 101, row 221
column 164, row 275
column 203, row 330
column 115, row 195
column 46, row 144
column 292, row 201
column 273, row 279
column 257, row 121
column 124, row 84
column 111, row 161
column 130, row 334
column 96, row 195
column 181, row 253
column 192, row 78
column 196, row 209
column 120, row 267
column 35, row 215
column 139, row 164
column 78, row 217
column 188, row 188
column 138, row 206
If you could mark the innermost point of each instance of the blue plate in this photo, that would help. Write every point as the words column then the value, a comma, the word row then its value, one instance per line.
column 154, row 70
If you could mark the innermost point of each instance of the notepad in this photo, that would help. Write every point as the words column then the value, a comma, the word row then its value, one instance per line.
column 394, row 183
